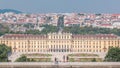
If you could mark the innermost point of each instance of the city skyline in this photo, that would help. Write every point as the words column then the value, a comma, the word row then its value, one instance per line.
column 59, row 33
column 62, row 6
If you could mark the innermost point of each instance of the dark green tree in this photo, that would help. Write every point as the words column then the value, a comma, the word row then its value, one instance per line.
column 4, row 50
column 23, row 58
column 113, row 54
column 94, row 60
column 90, row 30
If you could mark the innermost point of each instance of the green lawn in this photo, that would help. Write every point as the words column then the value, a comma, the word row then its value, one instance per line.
column 37, row 54
column 83, row 55
column 85, row 60
column 41, row 59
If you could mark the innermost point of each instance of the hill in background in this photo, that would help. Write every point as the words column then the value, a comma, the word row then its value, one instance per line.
column 9, row 10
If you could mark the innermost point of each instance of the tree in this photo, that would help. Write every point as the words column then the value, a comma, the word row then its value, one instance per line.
column 4, row 50
column 23, row 58
column 93, row 60
column 113, row 54
column 91, row 30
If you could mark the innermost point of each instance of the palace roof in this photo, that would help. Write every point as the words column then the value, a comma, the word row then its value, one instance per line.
column 24, row 36
column 97, row 36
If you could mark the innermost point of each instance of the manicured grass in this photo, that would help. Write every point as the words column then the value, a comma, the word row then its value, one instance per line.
column 85, row 60
column 41, row 59
column 83, row 55
column 37, row 54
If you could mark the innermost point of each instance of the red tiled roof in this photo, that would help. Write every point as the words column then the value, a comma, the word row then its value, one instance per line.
column 115, row 14
column 23, row 36
column 74, row 36
column 96, row 36
column 106, row 25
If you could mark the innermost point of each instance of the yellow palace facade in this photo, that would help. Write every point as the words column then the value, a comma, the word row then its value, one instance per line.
column 60, row 43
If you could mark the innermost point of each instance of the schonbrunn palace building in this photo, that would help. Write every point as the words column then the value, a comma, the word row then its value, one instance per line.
column 60, row 43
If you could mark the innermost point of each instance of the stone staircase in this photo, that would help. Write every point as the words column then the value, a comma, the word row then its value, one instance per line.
column 14, row 56
column 59, row 56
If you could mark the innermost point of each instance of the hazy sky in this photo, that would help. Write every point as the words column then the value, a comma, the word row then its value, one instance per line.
column 46, row 6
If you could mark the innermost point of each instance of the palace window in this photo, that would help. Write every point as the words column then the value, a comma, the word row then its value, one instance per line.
column 89, row 50
column 96, row 50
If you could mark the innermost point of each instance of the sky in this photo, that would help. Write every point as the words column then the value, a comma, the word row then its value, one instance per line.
column 62, row 6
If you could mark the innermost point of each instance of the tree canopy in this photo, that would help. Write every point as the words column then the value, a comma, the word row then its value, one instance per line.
column 47, row 29
column 113, row 55
column 91, row 30
column 4, row 50
column 23, row 58
column 72, row 29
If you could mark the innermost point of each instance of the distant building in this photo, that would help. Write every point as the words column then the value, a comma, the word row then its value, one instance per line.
column 60, row 43
column 116, row 24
